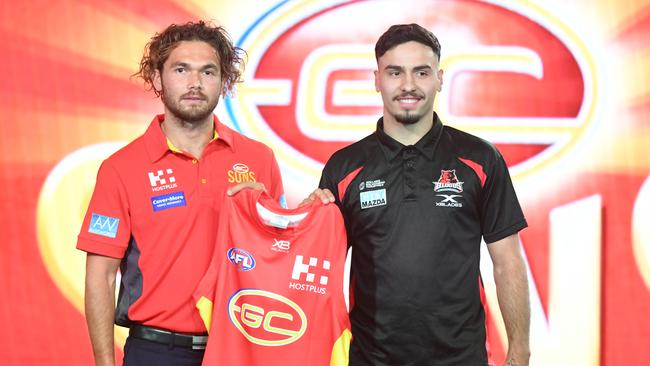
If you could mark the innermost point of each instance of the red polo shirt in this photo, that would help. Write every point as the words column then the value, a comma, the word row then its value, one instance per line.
column 157, row 210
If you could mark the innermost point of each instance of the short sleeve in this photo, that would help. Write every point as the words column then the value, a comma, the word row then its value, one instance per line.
column 501, row 214
column 106, row 229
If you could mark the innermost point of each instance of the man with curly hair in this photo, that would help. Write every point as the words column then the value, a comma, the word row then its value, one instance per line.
column 154, row 208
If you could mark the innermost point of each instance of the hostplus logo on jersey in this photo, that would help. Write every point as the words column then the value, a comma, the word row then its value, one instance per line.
column 281, row 246
column 311, row 276
column 162, row 179
column 448, row 183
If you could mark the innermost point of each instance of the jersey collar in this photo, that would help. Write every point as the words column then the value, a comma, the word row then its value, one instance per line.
column 157, row 144
column 426, row 145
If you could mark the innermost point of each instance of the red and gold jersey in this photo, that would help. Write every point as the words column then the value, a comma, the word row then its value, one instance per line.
column 273, row 294
column 156, row 208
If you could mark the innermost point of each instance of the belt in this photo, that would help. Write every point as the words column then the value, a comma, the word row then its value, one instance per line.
column 192, row 341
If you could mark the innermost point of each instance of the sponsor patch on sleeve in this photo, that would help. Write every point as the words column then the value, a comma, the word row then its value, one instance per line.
column 103, row 225
column 169, row 200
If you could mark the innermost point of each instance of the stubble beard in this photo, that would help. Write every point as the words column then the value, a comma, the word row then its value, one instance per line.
column 193, row 114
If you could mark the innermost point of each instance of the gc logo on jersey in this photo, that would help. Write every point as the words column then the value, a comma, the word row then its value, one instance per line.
column 266, row 318
column 241, row 258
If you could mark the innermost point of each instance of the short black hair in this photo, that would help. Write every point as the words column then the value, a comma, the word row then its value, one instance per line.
column 402, row 33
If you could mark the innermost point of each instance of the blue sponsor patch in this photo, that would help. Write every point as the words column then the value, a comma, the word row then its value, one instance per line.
column 373, row 198
column 103, row 225
column 241, row 258
column 166, row 201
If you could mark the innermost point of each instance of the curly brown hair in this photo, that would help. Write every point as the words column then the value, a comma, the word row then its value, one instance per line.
column 162, row 44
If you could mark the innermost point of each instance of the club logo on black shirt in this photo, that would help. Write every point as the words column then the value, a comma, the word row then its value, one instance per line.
column 448, row 182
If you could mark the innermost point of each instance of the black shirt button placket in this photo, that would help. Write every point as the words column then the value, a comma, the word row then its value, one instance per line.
column 408, row 159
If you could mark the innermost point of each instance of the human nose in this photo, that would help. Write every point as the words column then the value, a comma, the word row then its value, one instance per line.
column 408, row 82
column 194, row 80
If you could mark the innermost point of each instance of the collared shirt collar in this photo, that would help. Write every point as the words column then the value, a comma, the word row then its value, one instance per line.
column 426, row 145
column 157, row 143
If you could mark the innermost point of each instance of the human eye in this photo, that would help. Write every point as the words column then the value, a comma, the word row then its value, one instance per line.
column 179, row 69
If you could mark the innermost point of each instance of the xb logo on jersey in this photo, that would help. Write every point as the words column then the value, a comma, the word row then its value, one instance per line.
column 281, row 246
column 162, row 179
column 266, row 318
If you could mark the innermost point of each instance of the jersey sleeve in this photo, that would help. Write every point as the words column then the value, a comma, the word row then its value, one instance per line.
column 106, row 229
column 501, row 214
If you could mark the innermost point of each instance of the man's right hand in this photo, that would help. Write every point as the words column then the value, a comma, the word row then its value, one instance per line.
column 322, row 194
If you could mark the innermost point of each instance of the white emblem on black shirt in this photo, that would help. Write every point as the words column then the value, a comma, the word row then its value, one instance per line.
column 448, row 182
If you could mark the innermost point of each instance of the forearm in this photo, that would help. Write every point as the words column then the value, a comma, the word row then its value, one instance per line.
column 512, row 292
column 100, row 312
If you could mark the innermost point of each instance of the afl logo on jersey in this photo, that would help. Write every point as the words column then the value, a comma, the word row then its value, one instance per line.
column 266, row 318
column 240, row 173
column 241, row 258
column 309, row 87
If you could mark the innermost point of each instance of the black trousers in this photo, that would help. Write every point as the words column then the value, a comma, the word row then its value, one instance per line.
column 139, row 352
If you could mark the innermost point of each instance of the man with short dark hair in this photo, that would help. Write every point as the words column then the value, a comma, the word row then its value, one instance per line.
column 154, row 209
column 417, row 198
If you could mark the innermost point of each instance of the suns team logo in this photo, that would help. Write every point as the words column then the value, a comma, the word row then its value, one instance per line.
column 309, row 81
column 240, row 173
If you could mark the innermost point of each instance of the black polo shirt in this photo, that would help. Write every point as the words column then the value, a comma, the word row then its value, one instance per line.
column 415, row 216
